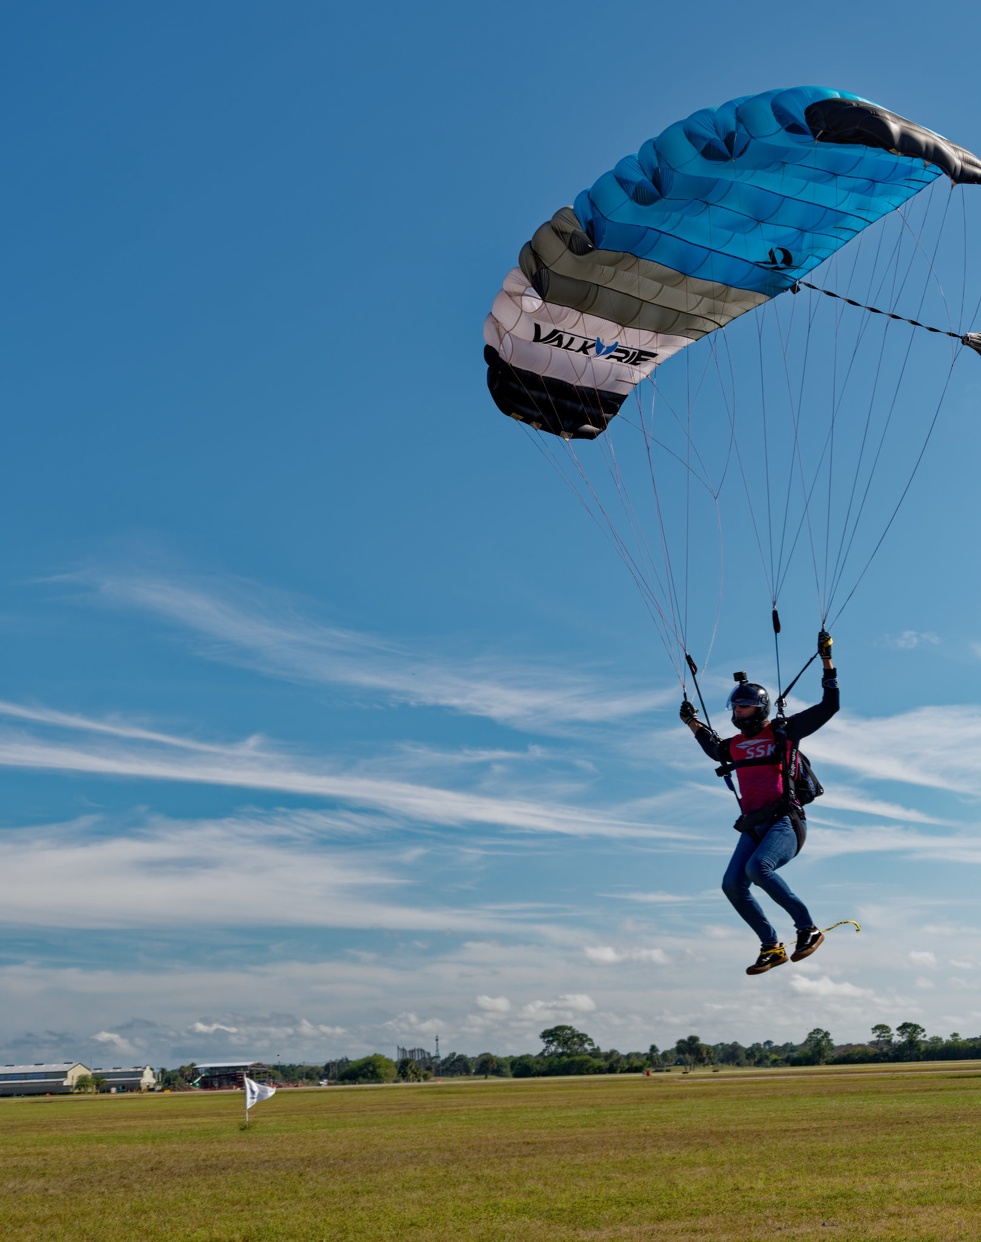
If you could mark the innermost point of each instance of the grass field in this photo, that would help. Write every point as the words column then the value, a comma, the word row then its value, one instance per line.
column 870, row 1153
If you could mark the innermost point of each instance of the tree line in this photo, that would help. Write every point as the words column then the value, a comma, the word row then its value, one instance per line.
column 566, row 1050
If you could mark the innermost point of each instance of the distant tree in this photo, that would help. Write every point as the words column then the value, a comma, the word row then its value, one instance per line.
column 768, row 1053
column 654, row 1056
column 178, row 1079
column 375, row 1068
column 455, row 1065
column 819, row 1046
column 692, row 1051
column 882, row 1038
column 296, row 1073
column 855, row 1054
column 911, row 1036
column 487, row 1064
column 99, row 1081
column 409, row 1070
column 730, row 1054
column 581, row 1064
column 84, row 1083
column 566, row 1041
column 527, row 1066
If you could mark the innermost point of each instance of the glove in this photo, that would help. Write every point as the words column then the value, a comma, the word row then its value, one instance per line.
column 688, row 713
column 824, row 645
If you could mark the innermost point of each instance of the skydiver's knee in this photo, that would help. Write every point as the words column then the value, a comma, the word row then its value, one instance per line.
column 758, row 871
column 735, row 886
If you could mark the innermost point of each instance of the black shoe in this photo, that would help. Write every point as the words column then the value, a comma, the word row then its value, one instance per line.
column 808, row 939
column 770, row 956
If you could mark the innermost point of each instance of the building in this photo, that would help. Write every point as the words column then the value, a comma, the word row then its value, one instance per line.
column 127, row 1078
column 51, row 1078
column 219, row 1075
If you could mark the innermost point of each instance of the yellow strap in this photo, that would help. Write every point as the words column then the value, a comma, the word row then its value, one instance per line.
column 840, row 923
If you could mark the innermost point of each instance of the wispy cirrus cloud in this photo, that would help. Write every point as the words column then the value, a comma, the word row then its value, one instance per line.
column 823, row 987
column 608, row 955
column 277, row 869
column 843, row 798
column 200, row 872
column 237, row 623
column 117, row 749
column 662, row 899
column 908, row 640
column 911, row 748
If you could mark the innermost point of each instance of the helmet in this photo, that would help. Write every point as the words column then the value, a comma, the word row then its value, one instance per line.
column 749, row 694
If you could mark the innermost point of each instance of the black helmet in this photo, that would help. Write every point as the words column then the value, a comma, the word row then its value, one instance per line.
column 749, row 694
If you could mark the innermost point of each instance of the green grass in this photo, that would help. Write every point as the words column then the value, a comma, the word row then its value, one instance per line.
column 859, row 1154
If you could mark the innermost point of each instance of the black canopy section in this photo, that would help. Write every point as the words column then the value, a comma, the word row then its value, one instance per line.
column 549, row 404
column 867, row 125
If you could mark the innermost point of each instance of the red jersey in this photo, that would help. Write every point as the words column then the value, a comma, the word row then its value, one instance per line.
column 758, row 785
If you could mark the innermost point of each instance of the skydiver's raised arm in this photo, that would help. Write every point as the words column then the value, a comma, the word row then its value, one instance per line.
column 706, row 737
column 812, row 718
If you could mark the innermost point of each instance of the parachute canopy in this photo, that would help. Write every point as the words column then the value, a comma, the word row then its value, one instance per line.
column 715, row 216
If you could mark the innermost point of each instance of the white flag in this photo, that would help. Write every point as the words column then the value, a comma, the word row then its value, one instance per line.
column 256, row 1091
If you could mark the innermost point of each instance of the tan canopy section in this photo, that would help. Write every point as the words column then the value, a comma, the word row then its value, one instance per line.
column 564, row 266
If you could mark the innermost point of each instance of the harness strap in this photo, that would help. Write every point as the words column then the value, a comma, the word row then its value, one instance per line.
column 788, row 762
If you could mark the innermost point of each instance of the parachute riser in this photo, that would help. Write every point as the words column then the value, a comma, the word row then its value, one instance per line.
column 971, row 339
column 775, row 618
column 693, row 667
column 781, row 700
column 726, row 775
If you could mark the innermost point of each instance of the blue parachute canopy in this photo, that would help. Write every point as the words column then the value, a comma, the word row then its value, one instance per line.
column 714, row 216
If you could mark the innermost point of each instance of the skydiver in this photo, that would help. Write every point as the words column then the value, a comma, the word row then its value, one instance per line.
column 772, row 825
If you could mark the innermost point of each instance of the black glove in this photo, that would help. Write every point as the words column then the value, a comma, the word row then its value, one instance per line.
column 688, row 713
column 824, row 645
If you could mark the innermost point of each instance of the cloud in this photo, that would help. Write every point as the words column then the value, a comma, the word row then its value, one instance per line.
column 209, row 1028
column 116, row 748
column 494, row 1004
column 566, row 1006
column 826, row 841
column 276, row 869
column 922, row 957
column 117, row 1043
column 661, row 899
column 912, row 748
column 908, row 640
column 242, row 624
column 406, row 1024
column 606, row 955
column 803, row 985
column 844, row 798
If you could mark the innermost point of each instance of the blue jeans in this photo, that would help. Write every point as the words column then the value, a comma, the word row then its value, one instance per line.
column 758, row 864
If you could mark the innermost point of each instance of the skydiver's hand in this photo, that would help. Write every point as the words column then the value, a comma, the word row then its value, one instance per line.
column 688, row 713
column 824, row 645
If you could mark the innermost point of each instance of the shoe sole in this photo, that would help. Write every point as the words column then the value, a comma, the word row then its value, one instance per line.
column 802, row 953
column 761, row 970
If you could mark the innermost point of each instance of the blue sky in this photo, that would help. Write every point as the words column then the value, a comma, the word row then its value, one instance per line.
column 330, row 721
